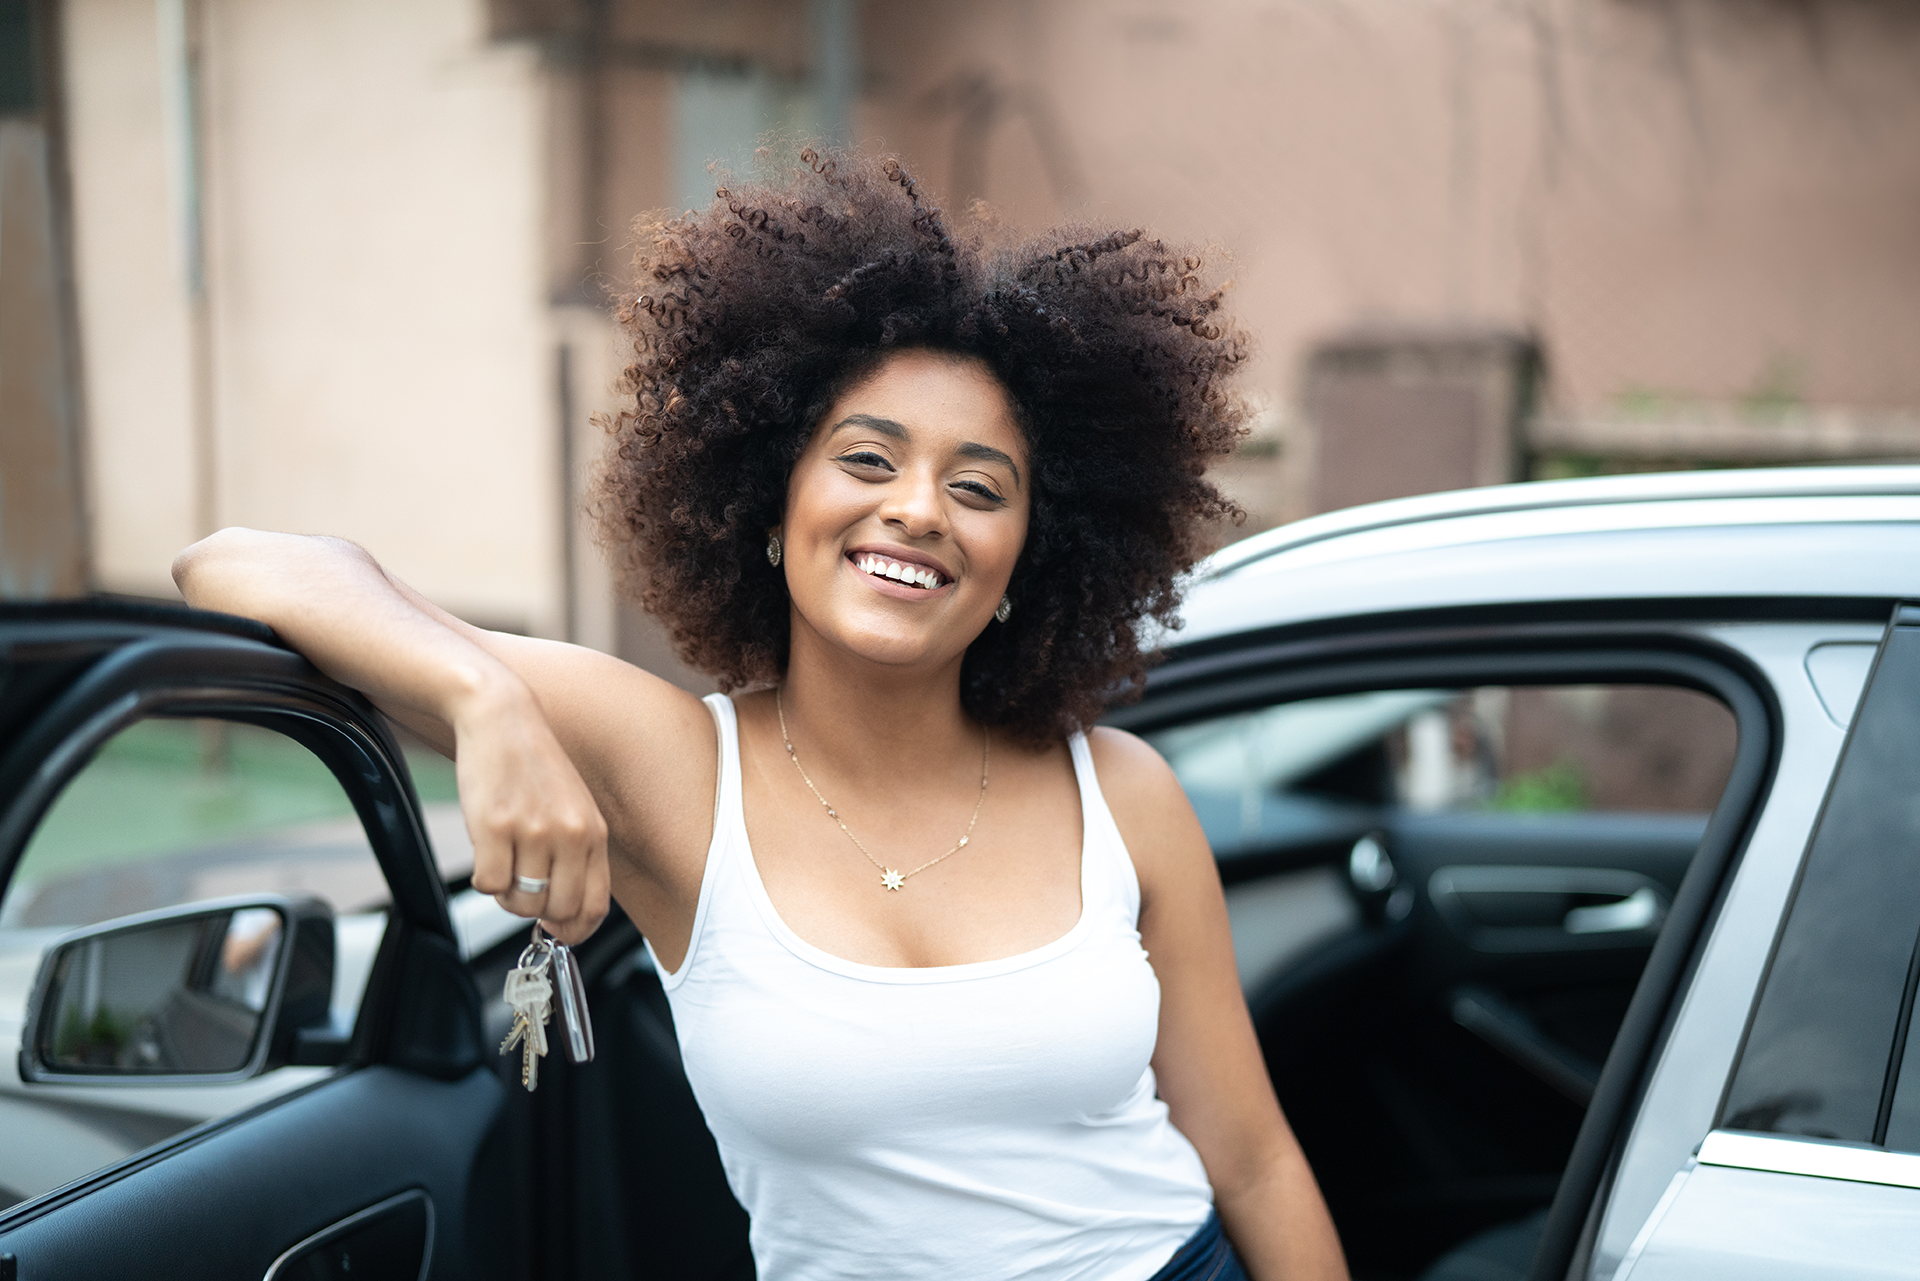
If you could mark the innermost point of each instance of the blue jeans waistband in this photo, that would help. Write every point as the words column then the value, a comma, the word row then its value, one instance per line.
column 1205, row 1257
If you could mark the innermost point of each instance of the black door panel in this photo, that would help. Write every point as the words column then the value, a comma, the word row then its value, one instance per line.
column 227, row 1203
column 410, row 1111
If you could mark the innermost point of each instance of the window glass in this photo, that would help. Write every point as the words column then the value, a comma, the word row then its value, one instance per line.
column 170, row 812
column 1491, row 750
column 1817, row 1056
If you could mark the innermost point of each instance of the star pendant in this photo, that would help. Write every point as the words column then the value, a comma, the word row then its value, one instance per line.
column 891, row 879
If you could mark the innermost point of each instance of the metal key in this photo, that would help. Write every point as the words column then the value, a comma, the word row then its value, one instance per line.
column 529, row 993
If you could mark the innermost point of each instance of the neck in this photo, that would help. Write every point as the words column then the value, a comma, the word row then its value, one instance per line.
column 874, row 721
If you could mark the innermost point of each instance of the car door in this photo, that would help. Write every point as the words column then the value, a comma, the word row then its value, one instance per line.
column 368, row 1162
column 1813, row 1167
column 1453, row 963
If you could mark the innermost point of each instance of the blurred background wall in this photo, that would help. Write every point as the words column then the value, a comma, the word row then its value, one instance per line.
column 343, row 267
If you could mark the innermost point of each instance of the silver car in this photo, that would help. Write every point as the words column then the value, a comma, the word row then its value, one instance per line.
column 1571, row 839
column 1621, row 781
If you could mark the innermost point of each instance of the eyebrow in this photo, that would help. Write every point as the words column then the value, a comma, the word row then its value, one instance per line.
column 971, row 449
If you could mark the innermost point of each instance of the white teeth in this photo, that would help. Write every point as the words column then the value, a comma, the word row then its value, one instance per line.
column 883, row 568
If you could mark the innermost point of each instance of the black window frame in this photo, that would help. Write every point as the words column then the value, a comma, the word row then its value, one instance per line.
column 421, row 1009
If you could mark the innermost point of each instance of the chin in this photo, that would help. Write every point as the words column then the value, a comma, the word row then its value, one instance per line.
column 888, row 642
column 889, row 648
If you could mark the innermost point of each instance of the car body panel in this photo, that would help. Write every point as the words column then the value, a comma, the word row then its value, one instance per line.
column 1691, row 1071
column 1766, row 536
column 1729, row 1224
column 1579, row 499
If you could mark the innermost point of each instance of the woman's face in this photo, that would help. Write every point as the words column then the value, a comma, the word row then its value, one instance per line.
column 907, row 512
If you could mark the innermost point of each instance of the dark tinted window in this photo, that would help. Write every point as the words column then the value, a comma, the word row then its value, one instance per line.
column 19, row 87
column 1903, row 1123
column 1817, row 1057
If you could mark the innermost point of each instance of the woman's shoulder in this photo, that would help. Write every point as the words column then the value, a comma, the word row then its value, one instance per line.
column 1127, row 761
column 1149, row 806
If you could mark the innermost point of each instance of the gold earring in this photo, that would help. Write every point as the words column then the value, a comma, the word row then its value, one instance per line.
column 773, row 550
column 1004, row 608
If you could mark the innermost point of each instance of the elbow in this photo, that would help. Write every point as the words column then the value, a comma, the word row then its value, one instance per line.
column 202, row 560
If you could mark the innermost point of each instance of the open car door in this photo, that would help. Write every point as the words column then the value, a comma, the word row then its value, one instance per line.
column 247, row 1044
column 1448, row 857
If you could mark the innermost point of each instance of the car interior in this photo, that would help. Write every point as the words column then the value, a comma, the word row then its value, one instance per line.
column 1509, row 854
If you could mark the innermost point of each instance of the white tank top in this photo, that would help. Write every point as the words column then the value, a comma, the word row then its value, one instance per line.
column 989, row 1120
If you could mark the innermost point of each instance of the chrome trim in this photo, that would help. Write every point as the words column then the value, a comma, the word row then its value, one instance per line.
column 1818, row 1158
column 354, row 1220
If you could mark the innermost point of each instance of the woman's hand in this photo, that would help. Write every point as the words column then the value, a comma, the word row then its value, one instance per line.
column 529, row 813
column 552, row 743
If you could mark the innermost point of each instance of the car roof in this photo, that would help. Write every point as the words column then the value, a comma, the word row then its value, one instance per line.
column 1805, row 532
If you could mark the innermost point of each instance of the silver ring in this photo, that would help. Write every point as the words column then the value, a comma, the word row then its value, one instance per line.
column 530, row 884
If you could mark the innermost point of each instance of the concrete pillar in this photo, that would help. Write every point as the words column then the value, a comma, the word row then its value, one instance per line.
column 1393, row 414
column 43, row 546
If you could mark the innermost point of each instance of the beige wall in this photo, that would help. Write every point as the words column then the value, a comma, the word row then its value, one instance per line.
column 1690, row 202
column 129, row 278
column 1699, row 203
column 382, row 353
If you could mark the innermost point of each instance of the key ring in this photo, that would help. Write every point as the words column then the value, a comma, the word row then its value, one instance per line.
column 541, row 944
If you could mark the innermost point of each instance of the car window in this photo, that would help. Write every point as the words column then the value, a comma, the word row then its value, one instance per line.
column 169, row 812
column 1496, row 749
column 1825, row 1054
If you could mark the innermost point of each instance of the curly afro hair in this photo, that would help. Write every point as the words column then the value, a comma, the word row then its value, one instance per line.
column 753, row 316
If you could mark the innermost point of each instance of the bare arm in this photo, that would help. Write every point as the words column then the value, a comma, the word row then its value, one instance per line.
column 555, row 746
column 1207, row 1059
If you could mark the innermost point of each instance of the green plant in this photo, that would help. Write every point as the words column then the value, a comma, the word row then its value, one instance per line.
column 1776, row 391
column 1556, row 788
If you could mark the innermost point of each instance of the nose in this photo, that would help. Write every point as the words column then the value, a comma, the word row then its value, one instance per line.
column 913, row 506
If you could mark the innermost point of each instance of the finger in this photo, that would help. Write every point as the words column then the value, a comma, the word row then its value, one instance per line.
column 531, row 885
column 595, row 898
column 572, row 857
column 492, row 855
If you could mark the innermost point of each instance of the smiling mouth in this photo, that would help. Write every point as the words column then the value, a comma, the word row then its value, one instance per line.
column 909, row 575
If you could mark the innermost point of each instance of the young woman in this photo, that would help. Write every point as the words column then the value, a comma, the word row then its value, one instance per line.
column 951, row 974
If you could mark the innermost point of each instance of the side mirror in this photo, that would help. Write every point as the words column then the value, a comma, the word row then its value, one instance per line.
column 211, row 991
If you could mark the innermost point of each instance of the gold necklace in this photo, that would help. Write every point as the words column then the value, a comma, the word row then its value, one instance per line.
column 888, row 877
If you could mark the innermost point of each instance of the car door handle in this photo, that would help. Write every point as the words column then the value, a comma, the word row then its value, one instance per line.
column 1506, row 908
column 1636, row 911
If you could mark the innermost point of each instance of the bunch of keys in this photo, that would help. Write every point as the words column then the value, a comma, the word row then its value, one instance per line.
column 545, row 969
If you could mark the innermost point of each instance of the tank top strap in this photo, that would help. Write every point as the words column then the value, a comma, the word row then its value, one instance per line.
column 728, row 818
column 1107, row 866
column 726, row 786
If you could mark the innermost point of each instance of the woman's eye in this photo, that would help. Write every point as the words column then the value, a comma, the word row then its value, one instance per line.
column 865, row 458
column 976, row 488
